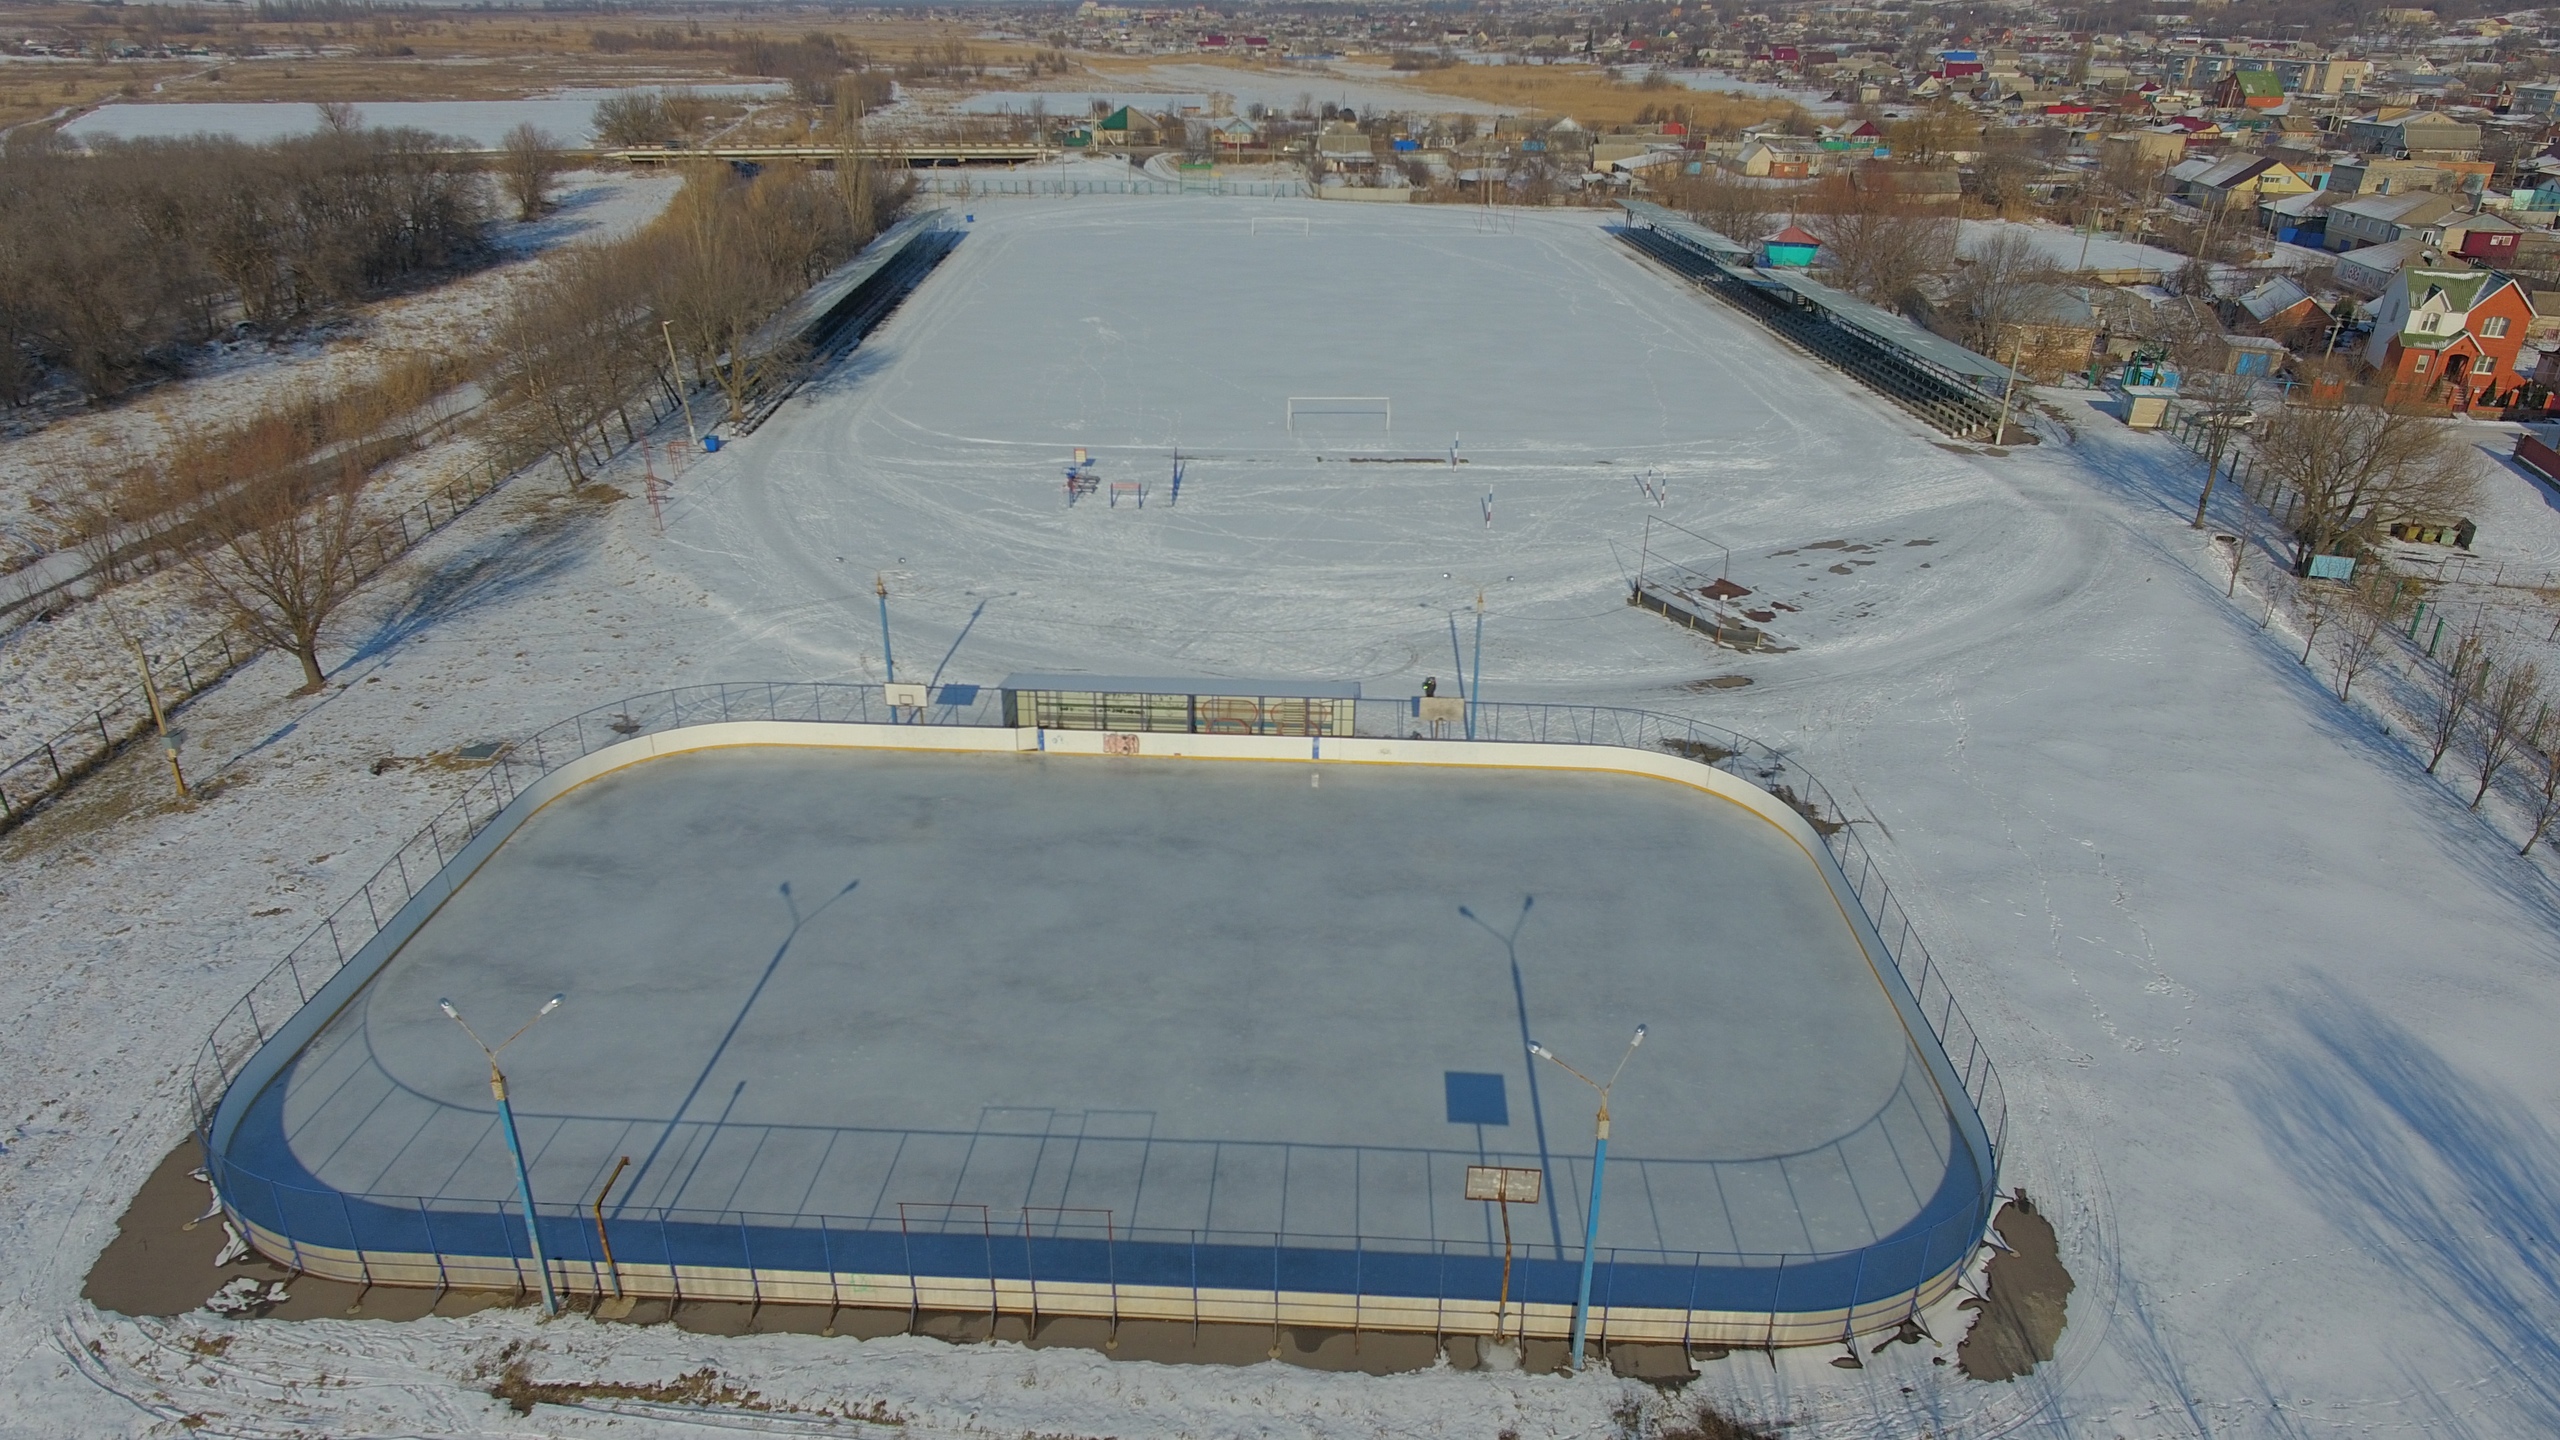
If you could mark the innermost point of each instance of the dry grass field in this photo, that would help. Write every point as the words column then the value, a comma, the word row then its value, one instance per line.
column 1589, row 95
column 441, row 55
column 1585, row 93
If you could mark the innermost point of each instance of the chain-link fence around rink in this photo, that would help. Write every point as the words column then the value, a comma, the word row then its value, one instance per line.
column 382, row 1239
column 966, row 185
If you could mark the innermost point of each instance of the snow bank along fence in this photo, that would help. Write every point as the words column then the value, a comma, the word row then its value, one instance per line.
column 1046, row 1261
column 1932, row 377
column 60, row 762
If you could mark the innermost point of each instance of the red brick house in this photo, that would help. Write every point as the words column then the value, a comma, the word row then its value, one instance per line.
column 2449, row 337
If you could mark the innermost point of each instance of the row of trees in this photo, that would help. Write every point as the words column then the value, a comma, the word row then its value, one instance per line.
column 2488, row 704
column 729, row 253
column 272, row 516
column 2336, row 477
column 112, row 264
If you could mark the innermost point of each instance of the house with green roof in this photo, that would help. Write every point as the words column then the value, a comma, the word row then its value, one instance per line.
column 1127, row 125
column 2450, row 336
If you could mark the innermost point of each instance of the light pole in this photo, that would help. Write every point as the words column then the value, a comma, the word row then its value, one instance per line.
column 888, row 657
column 515, row 1148
column 1599, row 1167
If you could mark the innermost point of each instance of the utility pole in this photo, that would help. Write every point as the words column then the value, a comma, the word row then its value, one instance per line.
column 2000, row 432
column 159, row 720
column 150, row 694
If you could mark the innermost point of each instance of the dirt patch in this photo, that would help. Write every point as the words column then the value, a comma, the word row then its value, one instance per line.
column 2017, row 1326
column 1716, row 682
column 1701, row 1420
column 1698, row 750
column 1814, row 817
column 703, row 1387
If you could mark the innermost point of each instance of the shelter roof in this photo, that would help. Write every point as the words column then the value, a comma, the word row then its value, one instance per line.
column 1888, row 329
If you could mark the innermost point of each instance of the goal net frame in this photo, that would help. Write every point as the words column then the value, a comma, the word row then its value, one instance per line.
column 1379, row 405
column 1281, row 224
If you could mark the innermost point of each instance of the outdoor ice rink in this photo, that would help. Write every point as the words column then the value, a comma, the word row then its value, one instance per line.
column 1200, row 996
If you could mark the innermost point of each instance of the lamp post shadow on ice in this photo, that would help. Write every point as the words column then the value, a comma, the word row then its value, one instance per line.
column 515, row 1147
column 1599, row 1167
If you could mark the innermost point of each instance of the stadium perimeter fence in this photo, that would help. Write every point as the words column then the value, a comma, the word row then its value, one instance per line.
column 967, row 1258
column 970, row 186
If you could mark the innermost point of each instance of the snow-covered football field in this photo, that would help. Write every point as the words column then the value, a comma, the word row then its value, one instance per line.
column 2272, row 1009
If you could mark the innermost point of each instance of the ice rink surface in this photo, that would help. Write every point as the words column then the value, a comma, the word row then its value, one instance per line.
column 1201, row 996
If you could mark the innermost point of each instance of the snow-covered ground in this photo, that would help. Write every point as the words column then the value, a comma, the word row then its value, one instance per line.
column 2072, row 249
column 568, row 116
column 2272, row 1008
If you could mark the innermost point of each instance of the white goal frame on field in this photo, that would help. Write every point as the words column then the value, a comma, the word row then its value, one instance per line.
column 1284, row 224
column 1378, row 405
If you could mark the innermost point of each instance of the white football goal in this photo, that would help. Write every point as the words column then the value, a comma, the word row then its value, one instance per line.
column 1377, row 406
column 1281, row 224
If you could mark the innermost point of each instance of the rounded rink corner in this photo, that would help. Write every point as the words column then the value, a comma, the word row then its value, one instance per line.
column 912, row 1008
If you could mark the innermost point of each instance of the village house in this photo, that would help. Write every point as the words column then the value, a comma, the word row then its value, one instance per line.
column 2382, row 219
column 1125, row 126
column 2247, row 90
column 2280, row 309
column 2414, row 134
column 2242, row 181
column 1344, row 146
column 2450, row 337
column 1780, row 157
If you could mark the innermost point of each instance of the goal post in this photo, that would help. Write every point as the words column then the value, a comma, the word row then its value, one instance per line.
column 1378, row 405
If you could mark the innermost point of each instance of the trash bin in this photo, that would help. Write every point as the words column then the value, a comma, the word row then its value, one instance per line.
column 711, row 443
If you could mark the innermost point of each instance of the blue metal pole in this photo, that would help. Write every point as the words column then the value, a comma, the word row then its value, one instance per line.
column 888, row 658
column 1590, row 1242
column 524, row 1192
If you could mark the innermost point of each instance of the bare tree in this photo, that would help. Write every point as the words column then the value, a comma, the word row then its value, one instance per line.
column 1883, row 251
column 1725, row 205
column 632, row 122
column 340, row 117
column 2507, row 712
column 2356, row 469
column 2545, row 746
column 2464, row 670
column 279, row 568
column 2005, row 286
column 528, row 162
column 2318, row 604
column 2372, row 607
